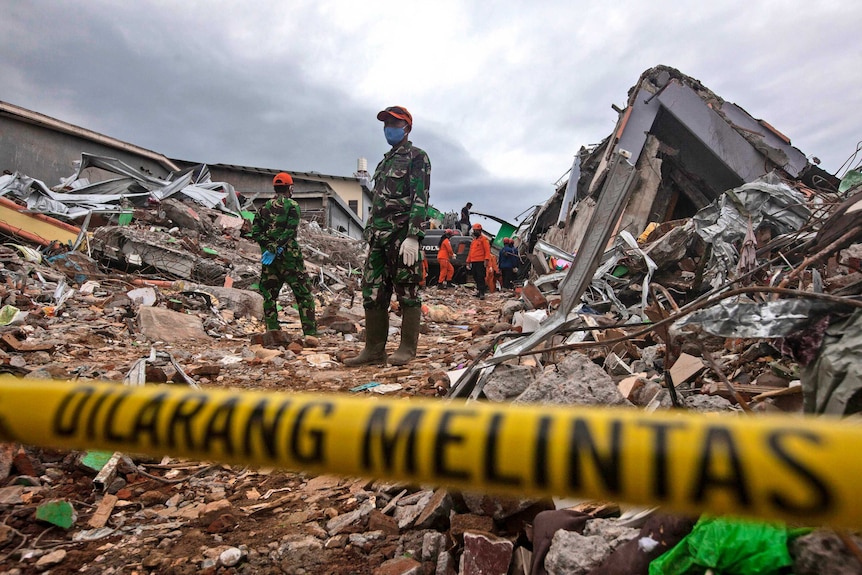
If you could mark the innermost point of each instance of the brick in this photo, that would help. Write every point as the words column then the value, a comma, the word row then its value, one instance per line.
column 533, row 297
column 486, row 554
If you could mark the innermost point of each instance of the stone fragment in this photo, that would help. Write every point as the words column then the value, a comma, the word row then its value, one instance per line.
column 399, row 566
column 223, row 523
column 50, row 559
column 154, row 497
column 497, row 507
column 322, row 482
column 297, row 543
column 152, row 561
column 433, row 543
column 822, row 551
column 343, row 326
column 707, row 403
column 406, row 514
column 337, row 542
column 160, row 324
column 378, row 521
column 26, row 464
column 445, row 564
column 508, row 381
column 230, row 557
column 485, row 554
column 462, row 522
column 574, row 381
column 631, row 384
column 7, row 455
column 574, row 554
column 271, row 339
column 213, row 510
column 348, row 521
column 509, row 309
column 435, row 514
column 365, row 540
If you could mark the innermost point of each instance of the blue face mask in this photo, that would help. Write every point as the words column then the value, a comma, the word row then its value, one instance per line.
column 393, row 135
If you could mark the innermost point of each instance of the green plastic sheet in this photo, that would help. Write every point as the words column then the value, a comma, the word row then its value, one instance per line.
column 729, row 547
column 851, row 179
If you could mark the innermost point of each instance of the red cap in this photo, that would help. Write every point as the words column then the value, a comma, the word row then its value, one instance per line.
column 399, row 112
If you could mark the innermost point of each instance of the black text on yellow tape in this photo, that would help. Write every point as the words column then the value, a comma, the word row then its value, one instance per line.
column 773, row 467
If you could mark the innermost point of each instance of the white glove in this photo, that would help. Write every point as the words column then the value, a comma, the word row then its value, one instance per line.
column 409, row 251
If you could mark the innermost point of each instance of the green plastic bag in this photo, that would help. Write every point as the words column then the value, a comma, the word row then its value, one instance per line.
column 727, row 546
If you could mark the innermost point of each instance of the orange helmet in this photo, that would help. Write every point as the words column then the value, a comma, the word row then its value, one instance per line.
column 477, row 226
column 449, row 232
column 282, row 179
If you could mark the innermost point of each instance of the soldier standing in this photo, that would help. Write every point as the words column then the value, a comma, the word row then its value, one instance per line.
column 274, row 229
column 393, row 232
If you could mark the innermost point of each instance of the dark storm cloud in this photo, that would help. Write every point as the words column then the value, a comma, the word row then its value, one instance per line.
column 501, row 104
column 188, row 101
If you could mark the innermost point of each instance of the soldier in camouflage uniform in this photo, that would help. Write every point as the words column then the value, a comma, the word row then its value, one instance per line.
column 274, row 229
column 393, row 232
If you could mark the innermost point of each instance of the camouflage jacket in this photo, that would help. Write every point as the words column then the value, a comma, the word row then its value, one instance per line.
column 275, row 225
column 400, row 202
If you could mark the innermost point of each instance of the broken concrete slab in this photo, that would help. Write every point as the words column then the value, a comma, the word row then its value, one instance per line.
column 161, row 324
column 574, row 381
column 507, row 382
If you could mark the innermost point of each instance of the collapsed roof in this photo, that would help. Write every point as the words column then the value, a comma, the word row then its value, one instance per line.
column 688, row 146
column 77, row 196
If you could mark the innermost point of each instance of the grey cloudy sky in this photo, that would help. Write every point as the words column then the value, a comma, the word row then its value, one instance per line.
column 503, row 94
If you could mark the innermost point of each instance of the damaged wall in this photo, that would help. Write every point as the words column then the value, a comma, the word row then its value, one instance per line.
column 689, row 147
column 253, row 182
column 46, row 149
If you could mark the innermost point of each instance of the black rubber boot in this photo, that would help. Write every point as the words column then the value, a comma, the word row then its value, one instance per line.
column 309, row 323
column 376, row 332
column 409, row 336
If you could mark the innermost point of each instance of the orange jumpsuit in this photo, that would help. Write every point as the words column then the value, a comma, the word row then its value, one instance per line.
column 479, row 255
column 444, row 259
column 491, row 273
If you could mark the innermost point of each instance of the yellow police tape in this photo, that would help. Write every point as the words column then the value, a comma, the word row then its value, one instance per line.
column 801, row 470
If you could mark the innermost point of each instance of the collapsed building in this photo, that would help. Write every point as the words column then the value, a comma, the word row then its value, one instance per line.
column 694, row 260
column 688, row 198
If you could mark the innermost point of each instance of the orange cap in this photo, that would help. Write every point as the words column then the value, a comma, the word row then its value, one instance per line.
column 477, row 226
column 282, row 179
column 399, row 112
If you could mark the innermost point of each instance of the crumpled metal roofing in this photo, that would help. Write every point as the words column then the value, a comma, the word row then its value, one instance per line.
column 75, row 196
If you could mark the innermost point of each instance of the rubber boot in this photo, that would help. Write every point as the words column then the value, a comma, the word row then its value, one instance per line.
column 376, row 332
column 409, row 336
column 309, row 323
column 272, row 324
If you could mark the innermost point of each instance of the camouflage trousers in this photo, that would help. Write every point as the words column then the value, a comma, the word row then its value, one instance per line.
column 291, row 271
column 384, row 273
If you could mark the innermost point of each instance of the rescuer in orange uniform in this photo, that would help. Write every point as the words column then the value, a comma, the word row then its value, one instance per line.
column 445, row 257
column 478, row 258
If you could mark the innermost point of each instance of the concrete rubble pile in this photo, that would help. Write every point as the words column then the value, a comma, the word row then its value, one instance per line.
column 663, row 276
